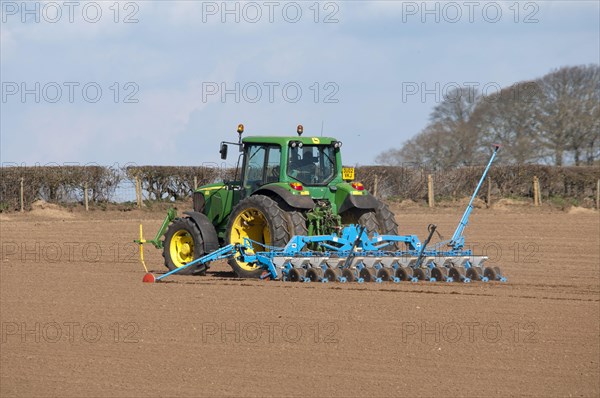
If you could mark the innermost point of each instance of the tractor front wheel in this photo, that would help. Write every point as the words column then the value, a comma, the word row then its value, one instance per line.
column 183, row 243
column 261, row 220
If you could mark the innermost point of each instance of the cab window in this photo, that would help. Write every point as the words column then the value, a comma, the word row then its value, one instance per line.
column 312, row 164
column 262, row 165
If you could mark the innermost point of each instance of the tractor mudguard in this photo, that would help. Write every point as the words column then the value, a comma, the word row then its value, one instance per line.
column 207, row 230
column 366, row 202
column 295, row 201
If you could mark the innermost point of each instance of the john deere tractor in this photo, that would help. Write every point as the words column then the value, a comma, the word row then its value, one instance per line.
column 285, row 186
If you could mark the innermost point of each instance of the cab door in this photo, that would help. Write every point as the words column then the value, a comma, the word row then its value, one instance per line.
column 262, row 165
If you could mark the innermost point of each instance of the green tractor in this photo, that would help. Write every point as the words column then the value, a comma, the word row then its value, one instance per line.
column 285, row 186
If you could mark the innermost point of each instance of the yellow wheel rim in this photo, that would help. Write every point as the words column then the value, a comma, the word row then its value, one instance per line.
column 181, row 248
column 251, row 224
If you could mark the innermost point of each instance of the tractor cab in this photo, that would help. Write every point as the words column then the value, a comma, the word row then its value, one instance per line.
column 291, row 162
column 266, row 161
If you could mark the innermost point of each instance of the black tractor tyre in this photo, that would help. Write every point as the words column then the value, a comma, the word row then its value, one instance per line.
column 182, row 244
column 364, row 218
column 387, row 220
column 296, row 222
column 266, row 212
column 380, row 220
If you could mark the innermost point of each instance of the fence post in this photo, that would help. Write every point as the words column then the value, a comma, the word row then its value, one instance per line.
column 22, row 196
column 138, row 192
column 430, row 199
column 85, row 196
column 536, row 194
column 598, row 195
column 375, row 183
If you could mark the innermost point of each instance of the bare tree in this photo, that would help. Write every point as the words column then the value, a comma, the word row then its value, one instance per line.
column 432, row 147
column 511, row 117
column 556, row 117
column 391, row 157
column 453, row 116
column 592, row 152
column 448, row 140
column 586, row 137
column 569, row 112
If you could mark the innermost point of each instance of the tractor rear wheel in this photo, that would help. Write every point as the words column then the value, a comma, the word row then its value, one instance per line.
column 260, row 219
column 364, row 218
column 183, row 243
column 381, row 220
column 296, row 220
column 386, row 220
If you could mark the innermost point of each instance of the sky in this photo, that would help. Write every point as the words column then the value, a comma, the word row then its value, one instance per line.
column 164, row 82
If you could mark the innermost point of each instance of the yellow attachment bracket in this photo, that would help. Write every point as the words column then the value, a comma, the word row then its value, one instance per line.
column 141, row 242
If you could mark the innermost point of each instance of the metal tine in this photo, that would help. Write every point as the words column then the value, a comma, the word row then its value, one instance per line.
column 335, row 262
column 390, row 262
column 300, row 262
column 427, row 261
column 318, row 262
column 406, row 261
column 354, row 262
column 454, row 261
column 371, row 262
column 279, row 262
column 478, row 261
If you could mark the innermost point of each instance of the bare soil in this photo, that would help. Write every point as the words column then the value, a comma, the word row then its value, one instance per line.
column 77, row 320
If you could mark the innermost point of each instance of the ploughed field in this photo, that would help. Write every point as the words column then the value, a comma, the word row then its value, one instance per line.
column 77, row 320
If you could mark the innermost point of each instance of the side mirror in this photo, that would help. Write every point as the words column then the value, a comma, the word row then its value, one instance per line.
column 223, row 151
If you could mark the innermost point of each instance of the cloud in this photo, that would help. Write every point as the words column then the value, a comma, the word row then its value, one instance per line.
column 171, row 52
column 8, row 43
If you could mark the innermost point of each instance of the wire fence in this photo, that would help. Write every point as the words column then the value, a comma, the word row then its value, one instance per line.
column 126, row 192
column 98, row 185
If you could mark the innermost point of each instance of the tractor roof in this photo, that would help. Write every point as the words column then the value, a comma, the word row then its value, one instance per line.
column 285, row 140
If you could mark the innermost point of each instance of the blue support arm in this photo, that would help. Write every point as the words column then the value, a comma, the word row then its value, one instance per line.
column 224, row 252
column 458, row 240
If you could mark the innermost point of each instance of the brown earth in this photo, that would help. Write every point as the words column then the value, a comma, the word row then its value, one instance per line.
column 76, row 319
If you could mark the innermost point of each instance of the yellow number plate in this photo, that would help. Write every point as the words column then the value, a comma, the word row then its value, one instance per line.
column 348, row 173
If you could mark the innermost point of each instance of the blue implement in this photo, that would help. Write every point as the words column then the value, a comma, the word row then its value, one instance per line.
column 354, row 256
